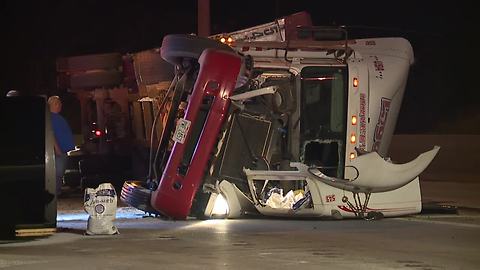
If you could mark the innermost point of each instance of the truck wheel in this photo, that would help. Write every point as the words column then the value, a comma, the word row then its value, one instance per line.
column 72, row 178
column 176, row 47
column 136, row 194
column 89, row 62
column 94, row 79
column 150, row 68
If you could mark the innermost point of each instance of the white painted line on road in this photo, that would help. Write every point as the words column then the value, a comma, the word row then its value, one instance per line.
column 122, row 213
column 439, row 222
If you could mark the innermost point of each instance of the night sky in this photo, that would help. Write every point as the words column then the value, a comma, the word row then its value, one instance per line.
column 441, row 95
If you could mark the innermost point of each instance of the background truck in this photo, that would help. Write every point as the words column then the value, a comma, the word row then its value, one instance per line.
column 118, row 96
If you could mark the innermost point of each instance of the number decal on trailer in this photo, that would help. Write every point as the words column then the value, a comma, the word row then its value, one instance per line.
column 330, row 198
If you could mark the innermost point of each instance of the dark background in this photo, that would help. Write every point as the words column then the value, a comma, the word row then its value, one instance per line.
column 441, row 95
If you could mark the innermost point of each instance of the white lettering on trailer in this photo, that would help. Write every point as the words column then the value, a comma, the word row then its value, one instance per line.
column 272, row 32
column 259, row 34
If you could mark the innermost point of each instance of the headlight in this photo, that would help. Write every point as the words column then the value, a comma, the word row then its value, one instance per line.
column 220, row 206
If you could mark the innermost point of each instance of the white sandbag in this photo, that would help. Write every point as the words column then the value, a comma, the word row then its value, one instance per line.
column 101, row 205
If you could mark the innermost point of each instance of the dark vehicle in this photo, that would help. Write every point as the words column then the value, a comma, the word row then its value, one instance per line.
column 27, row 172
column 115, row 121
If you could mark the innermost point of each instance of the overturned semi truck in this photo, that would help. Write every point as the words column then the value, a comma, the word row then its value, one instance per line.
column 281, row 119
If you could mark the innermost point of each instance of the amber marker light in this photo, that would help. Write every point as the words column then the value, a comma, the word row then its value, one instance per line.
column 222, row 40
column 352, row 155
column 353, row 138
column 354, row 119
column 355, row 82
column 229, row 40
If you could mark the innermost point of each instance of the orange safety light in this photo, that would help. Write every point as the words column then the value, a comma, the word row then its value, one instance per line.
column 229, row 40
column 353, row 138
column 352, row 155
column 354, row 120
column 355, row 82
column 222, row 40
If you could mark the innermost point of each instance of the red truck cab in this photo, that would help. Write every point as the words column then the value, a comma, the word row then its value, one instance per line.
column 184, row 173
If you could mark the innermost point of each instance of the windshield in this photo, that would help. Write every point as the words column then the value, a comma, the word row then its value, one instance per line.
column 323, row 108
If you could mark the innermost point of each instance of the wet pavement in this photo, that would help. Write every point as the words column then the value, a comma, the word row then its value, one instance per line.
column 418, row 242
column 441, row 240
column 445, row 236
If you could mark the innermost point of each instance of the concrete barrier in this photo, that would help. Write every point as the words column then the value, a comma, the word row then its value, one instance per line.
column 458, row 159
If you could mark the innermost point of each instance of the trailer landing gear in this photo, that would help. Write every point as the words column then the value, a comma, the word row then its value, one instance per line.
column 360, row 209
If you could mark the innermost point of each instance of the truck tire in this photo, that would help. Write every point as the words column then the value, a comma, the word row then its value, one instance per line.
column 150, row 68
column 89, row 62
column 72, row 178
column 136, row 194
column 94, row 79
column 176, row 47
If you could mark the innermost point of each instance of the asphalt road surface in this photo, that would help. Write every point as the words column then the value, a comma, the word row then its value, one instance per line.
column 421, row 242
column 433, row 241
